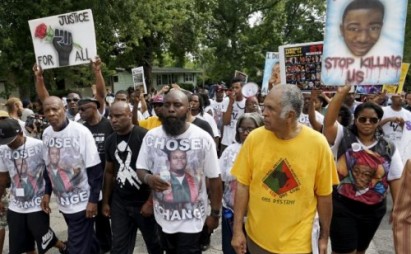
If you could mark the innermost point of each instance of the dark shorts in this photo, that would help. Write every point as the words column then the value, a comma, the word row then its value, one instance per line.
column 27, row 228
column 354, row 224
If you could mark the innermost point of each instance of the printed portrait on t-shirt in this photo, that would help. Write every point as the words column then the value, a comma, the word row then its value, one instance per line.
column 363, row 175
column 181, row 163
column 25, row 167
column 66, row 170
column 184, row 186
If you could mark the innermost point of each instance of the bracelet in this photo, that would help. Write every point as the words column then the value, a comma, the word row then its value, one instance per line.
column 215, row 213
column 145, row 178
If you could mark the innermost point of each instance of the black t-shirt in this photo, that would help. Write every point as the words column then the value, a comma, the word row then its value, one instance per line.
column 203, row 125
column 100, row 132
column 123, row 151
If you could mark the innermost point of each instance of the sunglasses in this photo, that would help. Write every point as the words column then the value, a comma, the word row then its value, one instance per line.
column 74, row 99
column 371, row 120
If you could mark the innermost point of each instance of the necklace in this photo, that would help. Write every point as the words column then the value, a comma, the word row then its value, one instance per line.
column 238, row 105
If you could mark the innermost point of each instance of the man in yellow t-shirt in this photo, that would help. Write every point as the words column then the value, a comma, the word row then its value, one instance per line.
column 285, row 172
column 153, row 121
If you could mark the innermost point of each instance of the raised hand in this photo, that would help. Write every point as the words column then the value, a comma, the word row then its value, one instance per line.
column 63, row 43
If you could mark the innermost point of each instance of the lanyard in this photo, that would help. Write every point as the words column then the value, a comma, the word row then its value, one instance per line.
column 19, row 172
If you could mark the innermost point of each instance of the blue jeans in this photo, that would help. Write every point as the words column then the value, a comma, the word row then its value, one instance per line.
column 125, row 220
column 227, row 220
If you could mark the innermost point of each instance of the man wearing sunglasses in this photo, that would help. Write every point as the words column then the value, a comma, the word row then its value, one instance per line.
column 101, row 128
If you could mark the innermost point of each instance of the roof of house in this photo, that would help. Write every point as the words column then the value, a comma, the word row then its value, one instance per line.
column 162, row 70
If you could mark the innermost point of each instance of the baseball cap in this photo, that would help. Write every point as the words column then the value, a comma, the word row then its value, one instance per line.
column 4, row 114
column 159, row 99
column 220, row 88
column 9, row 129
column 86, row 100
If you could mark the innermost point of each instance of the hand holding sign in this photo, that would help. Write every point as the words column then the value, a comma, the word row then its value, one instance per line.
column 63, row 43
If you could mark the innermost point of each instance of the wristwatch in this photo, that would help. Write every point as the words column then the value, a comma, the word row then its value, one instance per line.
column 215, row 213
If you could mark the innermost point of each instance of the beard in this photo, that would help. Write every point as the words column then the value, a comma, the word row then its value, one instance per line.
column 173, row 126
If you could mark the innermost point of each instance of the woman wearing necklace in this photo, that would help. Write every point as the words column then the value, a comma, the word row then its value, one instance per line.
column 367, row 165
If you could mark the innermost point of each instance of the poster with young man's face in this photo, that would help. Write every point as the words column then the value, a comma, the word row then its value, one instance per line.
column 64, row 40
column 272, row 75
column 364, row 41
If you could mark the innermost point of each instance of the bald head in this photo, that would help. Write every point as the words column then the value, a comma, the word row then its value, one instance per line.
column 54, row 100
column 176, row 95
column 120, row 117
column 54, row 112
column 121, row 105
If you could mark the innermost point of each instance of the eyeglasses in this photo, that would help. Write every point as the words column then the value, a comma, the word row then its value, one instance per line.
column 244, row 130
column 371, row 120
column 74, row 99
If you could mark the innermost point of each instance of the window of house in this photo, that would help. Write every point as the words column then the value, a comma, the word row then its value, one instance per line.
column 188, row 77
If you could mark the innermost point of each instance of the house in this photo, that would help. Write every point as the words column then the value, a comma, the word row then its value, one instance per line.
column 160, row 76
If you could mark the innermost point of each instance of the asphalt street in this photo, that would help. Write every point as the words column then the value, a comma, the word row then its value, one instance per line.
column 381, row 244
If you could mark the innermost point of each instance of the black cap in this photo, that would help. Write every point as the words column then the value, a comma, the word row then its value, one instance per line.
column 88, row 100
column 9, row 129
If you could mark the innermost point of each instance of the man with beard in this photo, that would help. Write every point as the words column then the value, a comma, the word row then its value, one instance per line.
column 125, row 198
column 78, row 152
column 181, row 221
column 101, row 128
column 15, row 108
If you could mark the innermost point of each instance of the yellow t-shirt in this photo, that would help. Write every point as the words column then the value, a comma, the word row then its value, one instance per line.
column 150, row 123
column 284, row 177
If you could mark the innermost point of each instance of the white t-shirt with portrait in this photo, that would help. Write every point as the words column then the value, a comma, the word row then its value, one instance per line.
column 183, row 207
column 26, row 190
column 77, row 151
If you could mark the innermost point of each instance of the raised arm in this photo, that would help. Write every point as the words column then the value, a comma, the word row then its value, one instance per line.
column 40, row 86
column 100, row 84
column 330, row 126
column 311, row 111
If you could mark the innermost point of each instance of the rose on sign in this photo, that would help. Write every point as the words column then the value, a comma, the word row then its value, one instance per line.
column 47, row 33
column 41, row 31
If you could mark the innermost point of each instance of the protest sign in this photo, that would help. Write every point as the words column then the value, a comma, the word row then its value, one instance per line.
column 391, row 89
column 138, row 79
column 364, row 41
column 241, row 75
column 301, row 64
column 272, row 74
column 64, row 40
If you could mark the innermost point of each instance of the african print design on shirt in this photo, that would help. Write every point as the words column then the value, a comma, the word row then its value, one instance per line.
column 281, row 179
